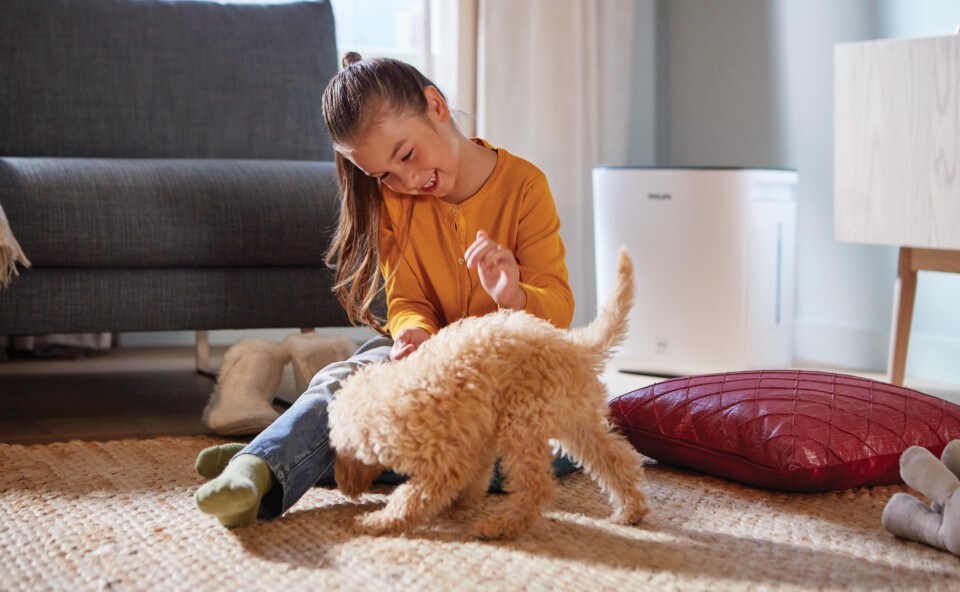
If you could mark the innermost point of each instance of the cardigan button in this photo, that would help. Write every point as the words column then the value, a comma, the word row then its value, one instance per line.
column 460, row 261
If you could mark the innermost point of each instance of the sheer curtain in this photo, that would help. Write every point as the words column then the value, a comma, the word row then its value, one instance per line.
column 549, row 80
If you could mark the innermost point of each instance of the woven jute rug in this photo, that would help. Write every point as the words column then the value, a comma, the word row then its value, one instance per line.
column 120, row 516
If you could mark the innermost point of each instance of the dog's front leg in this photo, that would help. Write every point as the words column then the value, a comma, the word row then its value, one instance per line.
column 411, row 502
column 354, row 477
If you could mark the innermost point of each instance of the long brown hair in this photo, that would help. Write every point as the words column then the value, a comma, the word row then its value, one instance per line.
column 357, row 97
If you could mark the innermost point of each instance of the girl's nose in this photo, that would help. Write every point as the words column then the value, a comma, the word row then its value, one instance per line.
column 412, row 181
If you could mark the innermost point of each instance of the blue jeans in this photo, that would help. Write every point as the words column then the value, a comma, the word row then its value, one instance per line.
column 296, row 446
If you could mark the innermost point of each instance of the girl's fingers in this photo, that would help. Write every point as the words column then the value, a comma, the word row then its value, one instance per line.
column 403, row 351
column 482, row 240
column 477, row 245
column 479, row 252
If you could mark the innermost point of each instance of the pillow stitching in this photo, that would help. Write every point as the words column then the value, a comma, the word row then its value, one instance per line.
column 686, row 398
column 723, row 426
column 940, row 422
column 833, row 399
column 793, row 424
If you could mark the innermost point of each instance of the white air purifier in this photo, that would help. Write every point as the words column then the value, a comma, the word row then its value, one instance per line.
column 714, row 260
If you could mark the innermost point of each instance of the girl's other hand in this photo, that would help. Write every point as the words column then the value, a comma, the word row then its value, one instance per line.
column 407, row 342
column 498, row 271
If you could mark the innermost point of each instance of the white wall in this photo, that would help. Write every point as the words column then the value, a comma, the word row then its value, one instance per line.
column 750, row 83
column 917, row 18
column 642, row 147
column 844, row 292
column 716, row 91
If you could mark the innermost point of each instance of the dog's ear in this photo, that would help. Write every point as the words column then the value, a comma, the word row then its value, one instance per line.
column 352, row 476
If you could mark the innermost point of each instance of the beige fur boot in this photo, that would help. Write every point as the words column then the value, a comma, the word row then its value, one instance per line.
column 241, row 403
column 311, row 353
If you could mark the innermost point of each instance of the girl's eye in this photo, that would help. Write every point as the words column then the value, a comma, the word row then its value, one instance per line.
column 407, row 156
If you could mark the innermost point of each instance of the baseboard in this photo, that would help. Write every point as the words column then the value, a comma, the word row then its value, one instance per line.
column 934, row 357
column 929, row 357
column 840, row 346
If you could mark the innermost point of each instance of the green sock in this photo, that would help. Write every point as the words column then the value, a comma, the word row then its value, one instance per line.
column 211, row 461
column 234, row 496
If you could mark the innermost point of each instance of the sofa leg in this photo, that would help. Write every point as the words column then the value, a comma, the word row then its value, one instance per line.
column 203, row 354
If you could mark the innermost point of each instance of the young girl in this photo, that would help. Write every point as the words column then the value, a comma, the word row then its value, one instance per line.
column 455, row 226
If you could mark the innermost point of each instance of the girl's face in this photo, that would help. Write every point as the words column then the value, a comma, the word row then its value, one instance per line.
column 411, row 154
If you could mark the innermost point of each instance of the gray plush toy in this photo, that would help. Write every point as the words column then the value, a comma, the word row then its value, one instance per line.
column 938, row 524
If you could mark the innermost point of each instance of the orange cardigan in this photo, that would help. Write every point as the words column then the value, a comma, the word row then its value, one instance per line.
column 423, row 239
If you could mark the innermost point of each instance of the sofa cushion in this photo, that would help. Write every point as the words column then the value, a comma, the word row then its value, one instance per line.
column 162, row 79
column 791, row 430
column 72, row 300
column 164, row 213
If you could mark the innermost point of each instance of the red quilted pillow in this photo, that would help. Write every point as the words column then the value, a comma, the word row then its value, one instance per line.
column 793, row 430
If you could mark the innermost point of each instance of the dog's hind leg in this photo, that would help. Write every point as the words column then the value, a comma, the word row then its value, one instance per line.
column 529, row 482
column 610, row 460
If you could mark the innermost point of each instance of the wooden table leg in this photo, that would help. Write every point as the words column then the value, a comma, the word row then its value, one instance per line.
column 904, row 294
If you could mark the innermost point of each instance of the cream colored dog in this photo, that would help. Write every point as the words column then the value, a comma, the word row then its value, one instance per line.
column 504, row 384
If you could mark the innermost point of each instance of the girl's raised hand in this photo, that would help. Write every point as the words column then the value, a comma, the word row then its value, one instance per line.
column 407, row 342
column 498, row 271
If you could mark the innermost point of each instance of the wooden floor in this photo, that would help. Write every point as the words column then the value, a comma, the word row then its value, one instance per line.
column 147, row 392
column 123, row 393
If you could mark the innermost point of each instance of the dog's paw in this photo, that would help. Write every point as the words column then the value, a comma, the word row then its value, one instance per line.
column 633, row 512
column 500, row 526
column 378, row 523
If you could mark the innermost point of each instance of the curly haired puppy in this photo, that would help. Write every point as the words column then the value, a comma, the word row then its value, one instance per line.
column 504, row 384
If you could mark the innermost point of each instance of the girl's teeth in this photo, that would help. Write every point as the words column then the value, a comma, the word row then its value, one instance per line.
column 433, row 179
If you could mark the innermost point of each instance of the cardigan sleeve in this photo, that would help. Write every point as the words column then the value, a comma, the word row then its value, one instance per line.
column 540, row 255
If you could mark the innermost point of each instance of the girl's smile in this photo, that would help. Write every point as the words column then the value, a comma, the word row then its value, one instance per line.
column 431, row 183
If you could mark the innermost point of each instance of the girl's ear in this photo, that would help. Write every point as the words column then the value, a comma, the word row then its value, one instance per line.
column 436, row 105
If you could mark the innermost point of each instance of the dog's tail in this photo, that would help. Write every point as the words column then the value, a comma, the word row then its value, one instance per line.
column 609, row 329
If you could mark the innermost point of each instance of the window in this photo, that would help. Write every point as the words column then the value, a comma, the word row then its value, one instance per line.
column 385, row 28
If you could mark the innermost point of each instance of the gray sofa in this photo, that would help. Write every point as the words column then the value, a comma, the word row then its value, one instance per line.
column 164, row 165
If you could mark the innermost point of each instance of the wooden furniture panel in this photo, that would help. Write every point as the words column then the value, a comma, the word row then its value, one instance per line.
column 897, row 155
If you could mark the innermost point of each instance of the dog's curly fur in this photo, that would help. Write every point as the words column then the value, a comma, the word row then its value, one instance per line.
column 504, row 384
